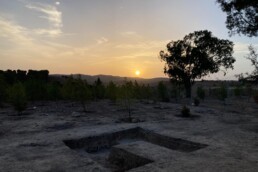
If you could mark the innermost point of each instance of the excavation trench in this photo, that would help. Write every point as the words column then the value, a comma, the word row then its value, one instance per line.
column 99, row 147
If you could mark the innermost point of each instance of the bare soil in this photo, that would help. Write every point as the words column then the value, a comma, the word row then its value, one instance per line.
column 34, row 141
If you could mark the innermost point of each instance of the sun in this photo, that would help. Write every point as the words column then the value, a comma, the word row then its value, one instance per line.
column 137, row 72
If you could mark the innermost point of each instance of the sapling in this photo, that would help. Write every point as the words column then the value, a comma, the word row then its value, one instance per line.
column 17, row 97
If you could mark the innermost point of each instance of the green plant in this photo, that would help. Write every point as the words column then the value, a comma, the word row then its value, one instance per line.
column 198, row 54
column 196, row 101
column 99, row 89
column 256, row 98
column 176, row 91
column 17, row 97
column 3, row 87
column 162, row 92
column 238, row 90
column 200, row 93
column 77, row 90
column 82, row 93
column 222, row 93
column 126, row 94
column 111, row 91
column 249, row 91
column 185, row 112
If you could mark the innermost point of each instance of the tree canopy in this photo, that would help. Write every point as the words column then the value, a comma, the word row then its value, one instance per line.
column 242, row 16
column 197, row 55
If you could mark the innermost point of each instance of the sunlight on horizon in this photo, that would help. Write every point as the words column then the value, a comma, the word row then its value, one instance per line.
column 137, row 73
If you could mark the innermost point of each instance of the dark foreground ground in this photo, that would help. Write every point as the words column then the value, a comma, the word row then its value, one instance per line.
column 59, row 137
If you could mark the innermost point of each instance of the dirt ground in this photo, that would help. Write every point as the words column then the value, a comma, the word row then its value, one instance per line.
column 34, row 141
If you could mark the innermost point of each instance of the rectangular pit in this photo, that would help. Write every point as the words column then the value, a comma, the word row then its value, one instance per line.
column 99, row 146
column 97, row 143
column 125, row 160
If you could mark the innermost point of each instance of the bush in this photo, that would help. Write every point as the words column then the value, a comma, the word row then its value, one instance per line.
column 185, row 112
column 200, row 93
column 196, row 101
column 3, row 87
column 126, row 94
column 17, row 97
column 256, row 98
column 222, row 93
column 163, row 92
column 176, row 92
column 112, row 91
column 238, row 90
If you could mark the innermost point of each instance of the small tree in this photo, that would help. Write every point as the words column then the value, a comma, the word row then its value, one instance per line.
column 200, row 92
column 54, row 91
column 249, row 91
column 3, row 87
column 256, row 98
column 77, row 90
column 127, row 95
column 82, row 93
column 238, row 90
column 176, row 91
column 222, row 93
column 197, row 55
column 99, row 89
column 17, row 97
column 112, row 91
column 163, row 92
column 146, row 92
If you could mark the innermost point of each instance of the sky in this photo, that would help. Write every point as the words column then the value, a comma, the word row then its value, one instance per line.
column 112, row 37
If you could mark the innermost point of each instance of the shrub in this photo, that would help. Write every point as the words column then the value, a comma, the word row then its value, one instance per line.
column 17, row 97
column 200, row 93
column 176, row 91
column 163, row 92
column 99, row 89
column 126, row 93
column 185, row 112
column 238, row 91
column 111, row 91
column 256, row 98
column 249, row 91
column 222, row 93
column 3, row 87
column 82, row 93
column 196, row 101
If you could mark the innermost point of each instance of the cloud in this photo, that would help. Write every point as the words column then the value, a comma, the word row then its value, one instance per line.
column 13, row 32
column 145, row 45
column 131, row 34
column 102, row 40
column 49, row 32
column 243, row 47
column 19, row 41
column 52, row 15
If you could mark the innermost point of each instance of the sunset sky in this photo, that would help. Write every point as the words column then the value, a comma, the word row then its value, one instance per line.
column 113, row 37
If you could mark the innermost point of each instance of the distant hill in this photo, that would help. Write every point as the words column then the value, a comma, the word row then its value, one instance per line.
column 107, row 78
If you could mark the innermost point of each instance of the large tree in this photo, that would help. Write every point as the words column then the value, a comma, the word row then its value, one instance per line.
column 197, row 55
column 242, row 16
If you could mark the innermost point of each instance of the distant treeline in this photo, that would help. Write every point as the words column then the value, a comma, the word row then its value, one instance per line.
column 17, row 87
column 12, row 76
